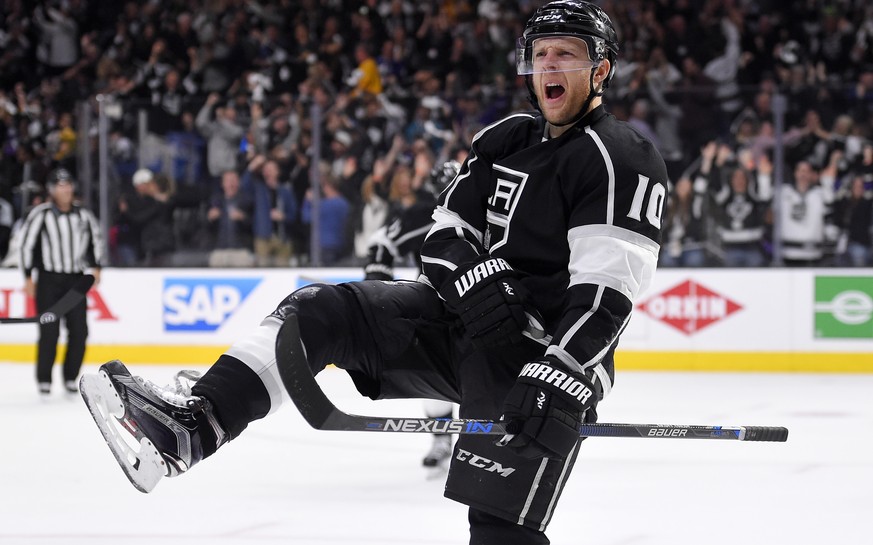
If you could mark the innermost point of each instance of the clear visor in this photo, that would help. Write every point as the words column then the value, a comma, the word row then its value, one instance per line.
column 552, row 53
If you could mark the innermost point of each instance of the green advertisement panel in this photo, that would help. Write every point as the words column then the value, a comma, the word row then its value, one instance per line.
column 844, row 307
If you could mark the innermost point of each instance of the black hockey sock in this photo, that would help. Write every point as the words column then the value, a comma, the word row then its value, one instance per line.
column 237, row 394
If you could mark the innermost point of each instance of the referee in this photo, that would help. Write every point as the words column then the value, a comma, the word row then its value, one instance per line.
column 61, row 240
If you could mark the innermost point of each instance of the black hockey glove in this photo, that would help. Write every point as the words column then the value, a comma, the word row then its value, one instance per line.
column 491, row 302
column 378, row 271
column 545, row 408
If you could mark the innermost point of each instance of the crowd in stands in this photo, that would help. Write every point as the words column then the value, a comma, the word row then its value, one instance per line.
column 211, row 137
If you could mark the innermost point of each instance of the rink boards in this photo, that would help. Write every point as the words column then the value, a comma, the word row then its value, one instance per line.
column 817, row 320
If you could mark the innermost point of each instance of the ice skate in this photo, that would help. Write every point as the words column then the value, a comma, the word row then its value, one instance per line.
column 152, row 431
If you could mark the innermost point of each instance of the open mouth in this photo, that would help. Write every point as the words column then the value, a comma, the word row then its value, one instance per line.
column 554, row 90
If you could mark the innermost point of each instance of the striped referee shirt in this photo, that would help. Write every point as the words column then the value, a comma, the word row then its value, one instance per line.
column 60, row 242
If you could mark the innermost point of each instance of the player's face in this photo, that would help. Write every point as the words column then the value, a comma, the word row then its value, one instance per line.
column 561, row 91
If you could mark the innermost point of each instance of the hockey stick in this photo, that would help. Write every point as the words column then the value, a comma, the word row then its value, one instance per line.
column 321, row 413
column 63, row 305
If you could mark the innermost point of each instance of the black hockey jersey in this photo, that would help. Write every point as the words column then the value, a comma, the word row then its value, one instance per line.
column 577, row 216
column 402, row 235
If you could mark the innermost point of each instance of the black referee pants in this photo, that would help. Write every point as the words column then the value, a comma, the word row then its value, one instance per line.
column 49, row 288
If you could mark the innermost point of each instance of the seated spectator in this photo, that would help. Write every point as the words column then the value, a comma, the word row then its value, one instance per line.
column 230, row 220
column 275, row 212
column 333, row 218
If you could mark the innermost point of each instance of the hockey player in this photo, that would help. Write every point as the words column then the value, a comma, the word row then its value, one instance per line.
column 540, row 246
column 402, row 235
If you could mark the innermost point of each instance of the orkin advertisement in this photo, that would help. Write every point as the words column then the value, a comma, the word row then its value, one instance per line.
column 707, row 319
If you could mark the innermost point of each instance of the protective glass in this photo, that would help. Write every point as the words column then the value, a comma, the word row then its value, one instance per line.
column 552, row 53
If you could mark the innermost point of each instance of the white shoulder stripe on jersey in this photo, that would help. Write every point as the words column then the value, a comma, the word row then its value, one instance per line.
column 610, row 170
column 482, row 131
column 454, row 183
column 473, row 157
column 611, row 256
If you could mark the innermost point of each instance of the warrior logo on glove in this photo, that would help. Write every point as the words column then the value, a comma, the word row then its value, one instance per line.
column 545, row 408
column 540, row 371
column 491, row 301
column 480, row 272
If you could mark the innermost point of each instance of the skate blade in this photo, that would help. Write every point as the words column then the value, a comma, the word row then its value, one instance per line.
column 139, row 459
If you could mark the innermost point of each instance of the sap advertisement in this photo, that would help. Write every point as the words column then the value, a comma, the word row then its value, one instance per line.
column 752, row 315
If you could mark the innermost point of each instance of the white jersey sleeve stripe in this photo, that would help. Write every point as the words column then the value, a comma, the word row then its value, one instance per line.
column 445, row 219
column 441, row 262
column 601, row 373
column 562, row 344
column 382, row 241
column 610, row 170
column 611, row 256
column 595, row 362
column 412, row 234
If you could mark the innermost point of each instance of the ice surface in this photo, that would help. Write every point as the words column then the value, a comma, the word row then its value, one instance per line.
column 283, row 482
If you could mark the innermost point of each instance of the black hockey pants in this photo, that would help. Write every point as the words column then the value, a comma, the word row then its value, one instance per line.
column 396, row 340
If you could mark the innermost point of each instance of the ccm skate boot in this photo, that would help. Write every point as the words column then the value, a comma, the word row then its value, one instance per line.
column 152, row 431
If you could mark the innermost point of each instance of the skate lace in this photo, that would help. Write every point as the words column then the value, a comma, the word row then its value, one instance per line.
column 178, row 394
column 185, row 380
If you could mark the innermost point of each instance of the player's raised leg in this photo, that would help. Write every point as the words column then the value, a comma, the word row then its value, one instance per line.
column 156, row 431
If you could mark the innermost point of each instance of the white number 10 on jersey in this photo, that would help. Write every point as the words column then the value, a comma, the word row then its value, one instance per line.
column 656, row 202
